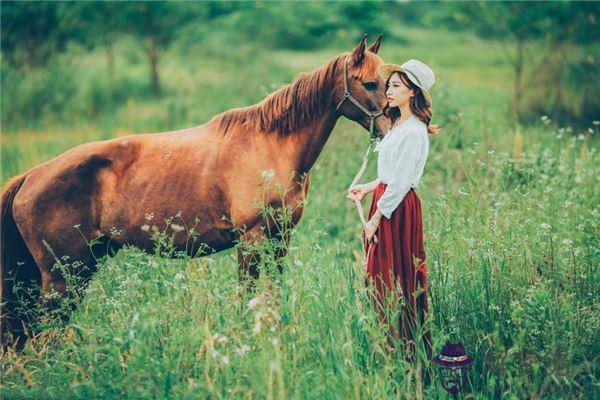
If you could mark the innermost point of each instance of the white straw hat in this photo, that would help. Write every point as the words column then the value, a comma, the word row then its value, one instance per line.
column 418, row 73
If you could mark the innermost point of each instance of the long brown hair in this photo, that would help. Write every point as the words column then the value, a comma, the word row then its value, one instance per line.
column 418, row 105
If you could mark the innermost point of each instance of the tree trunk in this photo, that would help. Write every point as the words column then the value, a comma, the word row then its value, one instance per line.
column 518, row 69
column 153, row 55
column 110, row 61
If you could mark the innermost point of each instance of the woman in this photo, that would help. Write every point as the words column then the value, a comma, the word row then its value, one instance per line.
column 396, row 256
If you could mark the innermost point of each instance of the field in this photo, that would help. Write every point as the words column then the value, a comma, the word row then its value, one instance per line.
column 511, row 217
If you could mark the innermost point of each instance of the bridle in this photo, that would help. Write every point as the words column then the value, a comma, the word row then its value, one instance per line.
column 348, row 96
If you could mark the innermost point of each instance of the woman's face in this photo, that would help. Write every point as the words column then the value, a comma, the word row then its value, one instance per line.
column 398, row 94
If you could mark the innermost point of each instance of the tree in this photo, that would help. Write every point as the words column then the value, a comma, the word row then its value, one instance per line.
column 555, row 27
column 32, row 32
column 156, row 25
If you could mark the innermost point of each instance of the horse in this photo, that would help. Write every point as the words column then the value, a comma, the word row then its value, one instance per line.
column 210, row 174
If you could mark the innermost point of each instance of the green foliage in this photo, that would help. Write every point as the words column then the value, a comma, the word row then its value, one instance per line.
column 32, row 32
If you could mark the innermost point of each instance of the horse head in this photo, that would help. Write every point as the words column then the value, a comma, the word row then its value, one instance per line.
column 360, row 90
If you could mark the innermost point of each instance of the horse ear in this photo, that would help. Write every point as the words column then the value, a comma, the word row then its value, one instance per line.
column 374, row 48
column 358, row 54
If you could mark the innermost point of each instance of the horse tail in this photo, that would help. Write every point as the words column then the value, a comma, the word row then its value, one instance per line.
column 17, row 267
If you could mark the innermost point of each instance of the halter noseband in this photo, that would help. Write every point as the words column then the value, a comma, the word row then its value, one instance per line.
column 348, row 96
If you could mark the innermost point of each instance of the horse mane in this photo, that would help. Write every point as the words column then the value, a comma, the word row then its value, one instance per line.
column 291, row 107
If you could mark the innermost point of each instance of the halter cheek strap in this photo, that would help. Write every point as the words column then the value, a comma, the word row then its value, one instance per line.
column 348, row 96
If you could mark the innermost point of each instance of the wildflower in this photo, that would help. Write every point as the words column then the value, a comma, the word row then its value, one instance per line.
column 253, row 303
column 220, row 339
column 149, row 216
column 152, row 263
column 545, row 226
column 545, row 119
column 267, row 174
column 177, row 228
column 179, row 277
column 275, row 341
column 257, row 328
column 567, row 242
column 582, row 136
column 145, row 227
column 214, row 354
column 596, row 122
column 243, row 349
column 115, row 231
column 225, row 360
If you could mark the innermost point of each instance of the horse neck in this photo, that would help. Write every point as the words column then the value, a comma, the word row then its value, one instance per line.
column 305, row 145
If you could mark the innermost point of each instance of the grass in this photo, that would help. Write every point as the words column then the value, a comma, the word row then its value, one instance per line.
column 511, row 224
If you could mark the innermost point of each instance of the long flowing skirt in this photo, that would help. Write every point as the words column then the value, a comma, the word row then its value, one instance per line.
column 396, row 265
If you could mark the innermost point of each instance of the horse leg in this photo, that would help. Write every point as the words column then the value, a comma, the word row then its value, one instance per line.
column 62, row 279
column 283, row 241
column 249, row 259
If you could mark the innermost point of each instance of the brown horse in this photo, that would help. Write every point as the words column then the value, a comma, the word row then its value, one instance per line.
column 211, row 173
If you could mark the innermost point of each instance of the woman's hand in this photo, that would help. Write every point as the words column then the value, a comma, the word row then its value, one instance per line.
column 370, row 230
column 357, row 192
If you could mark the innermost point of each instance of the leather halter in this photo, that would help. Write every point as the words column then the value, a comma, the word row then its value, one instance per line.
column 348, row 96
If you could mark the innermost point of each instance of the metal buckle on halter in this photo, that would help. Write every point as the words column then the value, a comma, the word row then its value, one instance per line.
column 348, row 96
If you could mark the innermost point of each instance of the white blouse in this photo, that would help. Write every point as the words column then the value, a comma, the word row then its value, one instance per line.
column 401, row 160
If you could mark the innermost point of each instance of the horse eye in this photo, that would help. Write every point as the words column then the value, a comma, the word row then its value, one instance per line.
column 370, row 85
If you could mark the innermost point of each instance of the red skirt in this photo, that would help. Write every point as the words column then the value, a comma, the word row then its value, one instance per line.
column 397, row 267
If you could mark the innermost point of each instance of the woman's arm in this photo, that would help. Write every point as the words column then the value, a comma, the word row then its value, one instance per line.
column 372, row 185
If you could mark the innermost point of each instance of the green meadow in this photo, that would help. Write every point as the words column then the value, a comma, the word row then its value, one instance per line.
column 511, row 221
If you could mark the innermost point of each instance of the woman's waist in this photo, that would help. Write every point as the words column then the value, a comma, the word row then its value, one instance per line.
column 384, row 185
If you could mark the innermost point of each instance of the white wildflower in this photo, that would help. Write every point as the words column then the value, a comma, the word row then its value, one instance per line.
column 275, row 341
column 222, row 339
column 267, row 174
column 225, row 360
column 149, row 216
column 177, row 228
column 145, row 227
column 567, row 242
column 179, row 277
column 253, row 303
column 545, row 226
column 243, row 349
column 152, row 263
column 257, row 328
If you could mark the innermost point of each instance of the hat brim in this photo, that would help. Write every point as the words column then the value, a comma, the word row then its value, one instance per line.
column 463, row 363
column 386, row 70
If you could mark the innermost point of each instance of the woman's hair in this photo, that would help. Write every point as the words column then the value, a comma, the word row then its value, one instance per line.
column 418, row 105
